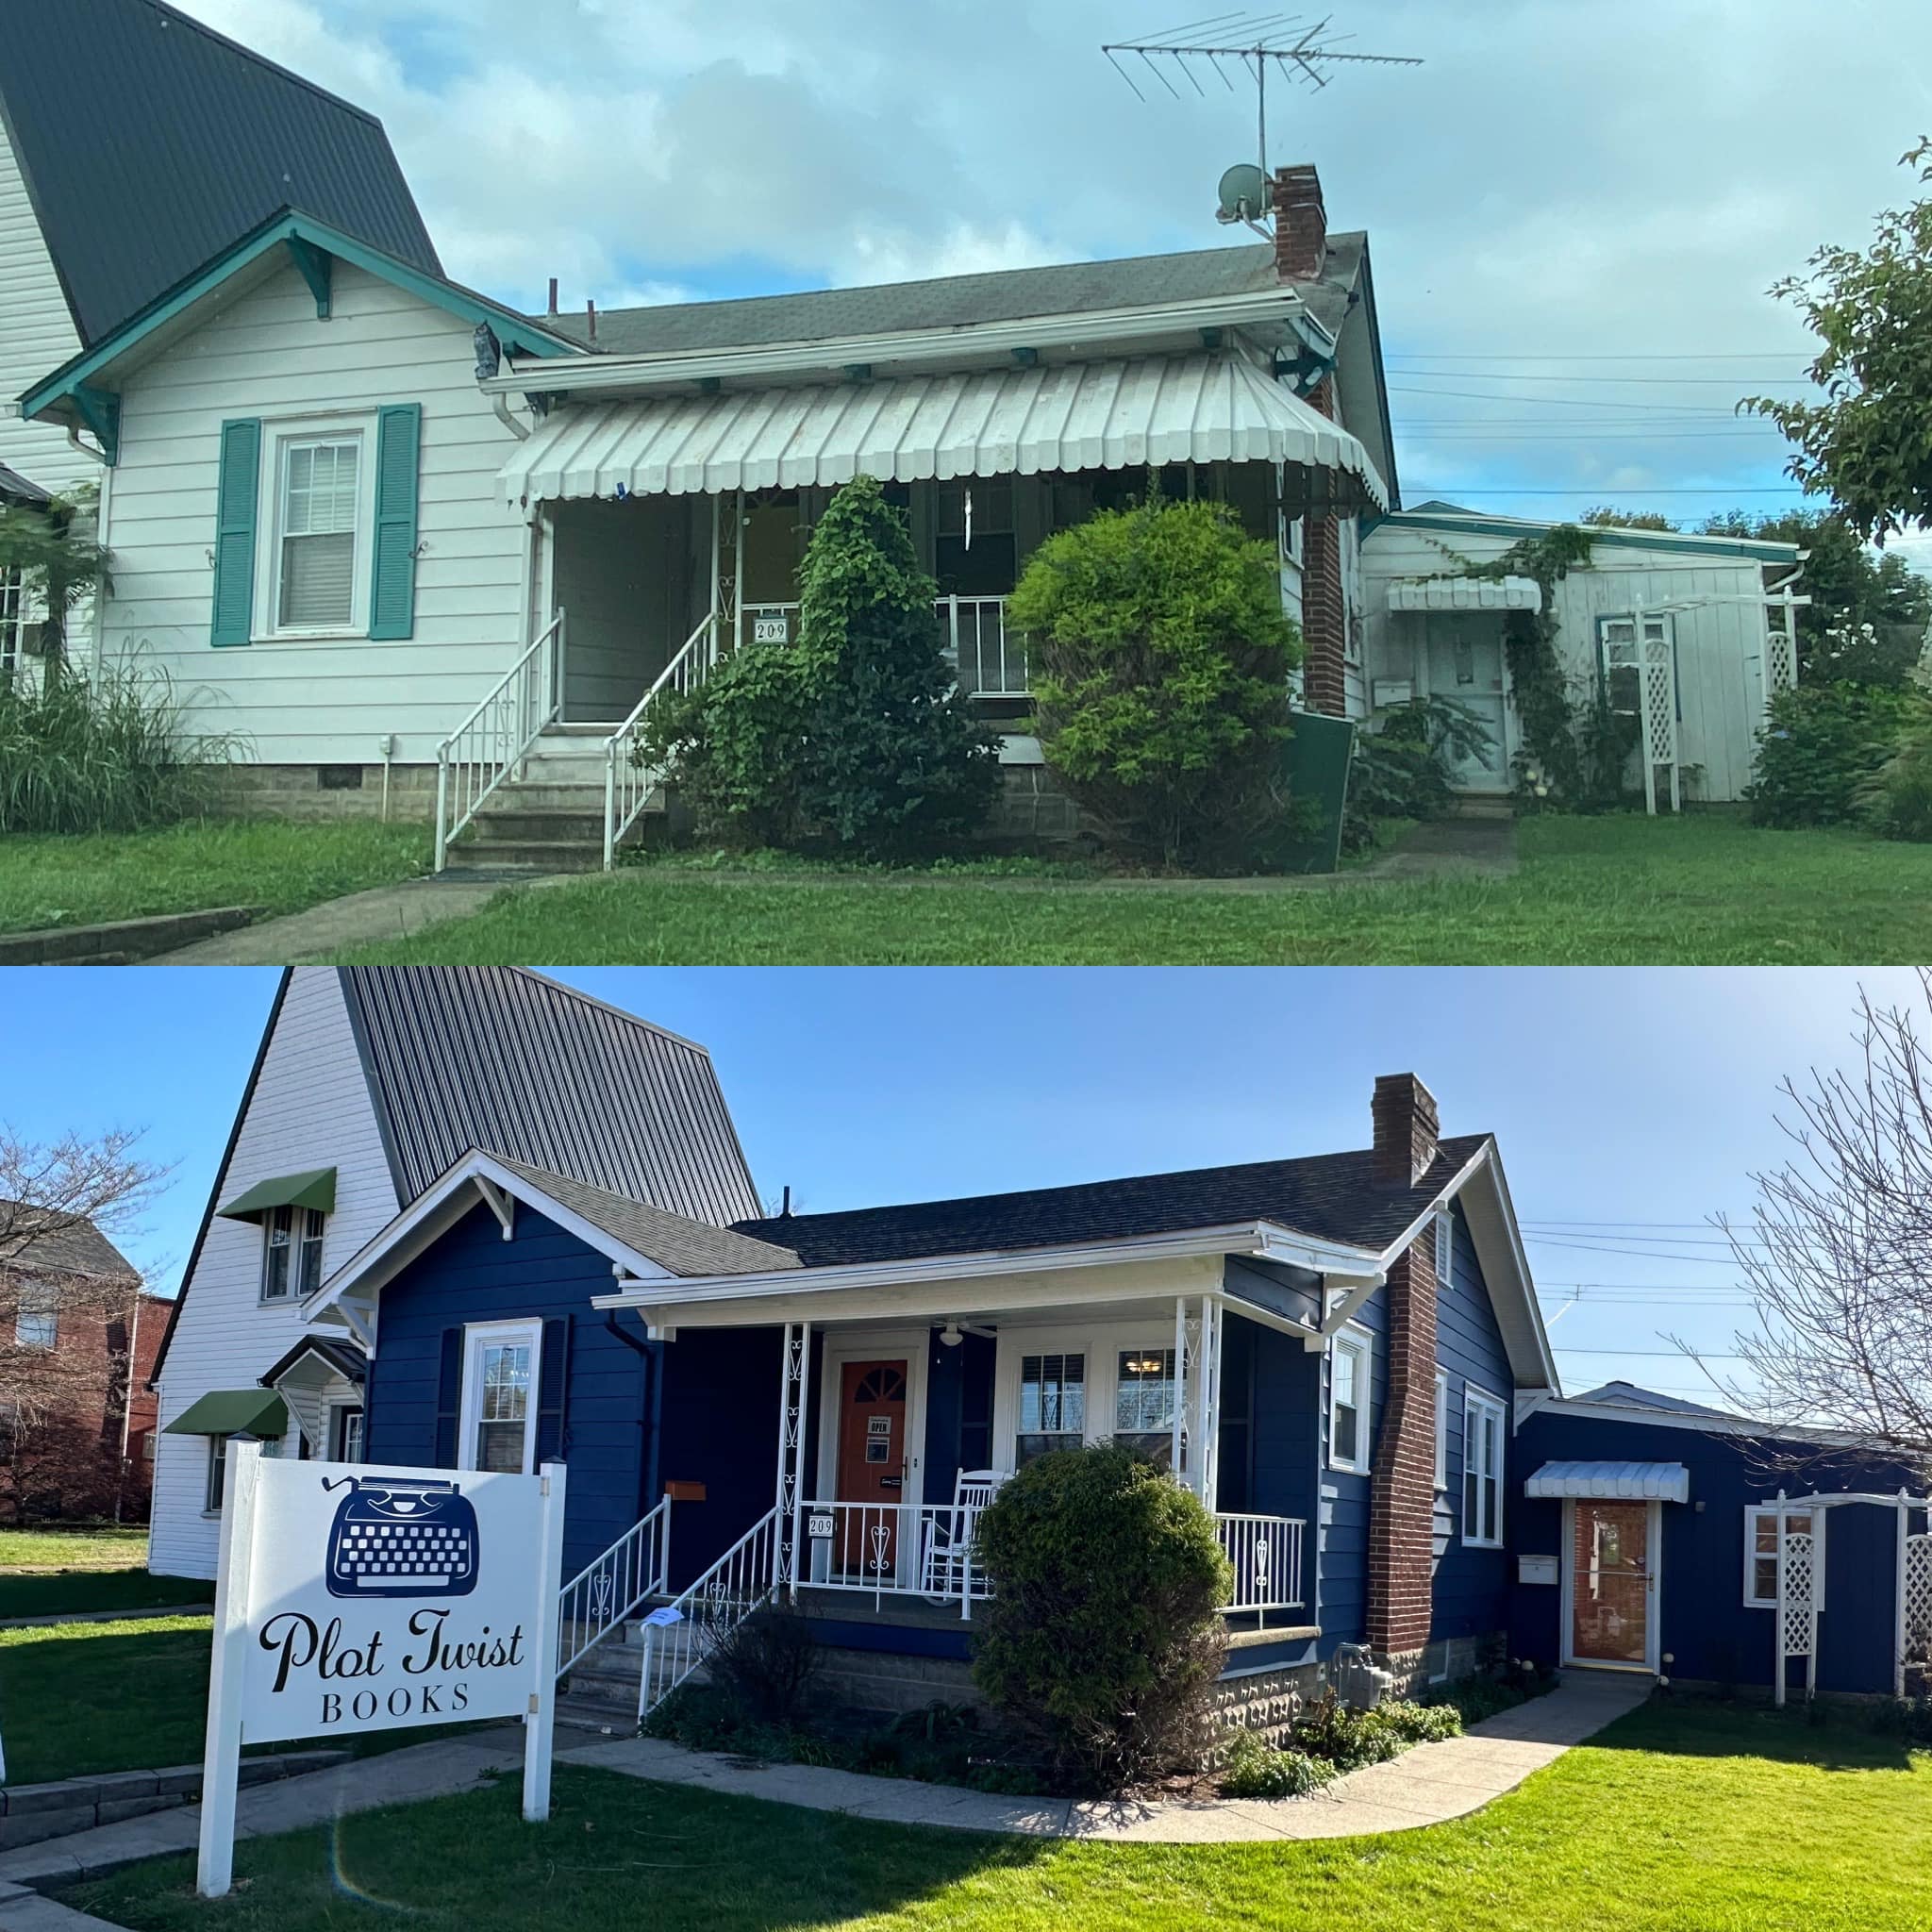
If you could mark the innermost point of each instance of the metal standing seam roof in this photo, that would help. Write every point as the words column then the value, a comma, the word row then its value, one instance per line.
column 1634, row 1482
column 502, row 1059
column 1465, row 593
column 1112, row 415
column 150, row 144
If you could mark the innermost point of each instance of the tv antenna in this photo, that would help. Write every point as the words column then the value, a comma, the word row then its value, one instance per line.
column 1298, row 49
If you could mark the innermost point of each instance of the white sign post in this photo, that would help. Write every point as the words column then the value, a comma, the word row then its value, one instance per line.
column 355, row 1598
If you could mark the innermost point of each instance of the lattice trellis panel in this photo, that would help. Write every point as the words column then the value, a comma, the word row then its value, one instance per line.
column 1780, row 661
column 1800, row 1611
column 1659, row 701
column 1919, row 1596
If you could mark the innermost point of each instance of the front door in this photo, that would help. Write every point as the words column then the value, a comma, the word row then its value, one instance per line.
column 1612, row 1610
column 1466, row 668
column 872, row 1465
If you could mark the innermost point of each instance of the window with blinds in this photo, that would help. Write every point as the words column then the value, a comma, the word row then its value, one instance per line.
column 320, row 490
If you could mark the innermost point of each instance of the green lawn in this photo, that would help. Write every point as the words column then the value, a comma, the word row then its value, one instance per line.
column 1699, row 1820
column 74, row 1549
column 47, row 879
column 1705, row 889
column 48, row 1573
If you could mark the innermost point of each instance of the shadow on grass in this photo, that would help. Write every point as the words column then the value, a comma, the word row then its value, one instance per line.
column 1682, row 1726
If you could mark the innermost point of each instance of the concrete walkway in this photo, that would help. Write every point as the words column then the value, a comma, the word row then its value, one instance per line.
column 1427, row 1785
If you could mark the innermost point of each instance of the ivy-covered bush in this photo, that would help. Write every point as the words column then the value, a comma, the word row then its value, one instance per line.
column 854, row 737
column 1255, row 1769
column 1159, row 662
column 1823, row 746
column 1101, row 1639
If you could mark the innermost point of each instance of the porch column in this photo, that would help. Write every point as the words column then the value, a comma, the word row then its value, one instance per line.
column 1196, row 1395
column 789, row 1500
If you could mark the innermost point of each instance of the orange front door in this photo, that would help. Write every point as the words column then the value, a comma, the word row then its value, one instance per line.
column 871, row 1464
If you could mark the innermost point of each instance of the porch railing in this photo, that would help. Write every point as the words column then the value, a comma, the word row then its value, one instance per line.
column 892, row 1549
column 629, row 776
column 1266, row 1555
column 678, row 1637
column 496, row 736
column 603, row 1594
column 991, row 661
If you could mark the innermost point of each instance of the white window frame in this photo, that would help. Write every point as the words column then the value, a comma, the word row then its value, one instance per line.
column 1441, row 1429
column 1101, row 1342
column 305, row 1224
column 37, row 1317
column 477, row 1336
column 1445, row 1251
column 1477, row 1401
column 1752, row 1513
column 1351, row 1335
column 335, row 1435
column 278, row 436
column 215, row 1480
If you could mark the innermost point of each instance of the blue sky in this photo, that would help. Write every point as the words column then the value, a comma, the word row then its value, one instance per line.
column 1573, row 228
column 1630, row 1104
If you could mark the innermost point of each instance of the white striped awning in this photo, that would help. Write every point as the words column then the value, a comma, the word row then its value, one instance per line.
column 1635, row 1482
column 1465, row 593
column 1059, row 417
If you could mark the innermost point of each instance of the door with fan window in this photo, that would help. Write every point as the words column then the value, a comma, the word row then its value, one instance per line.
column 871, row 1464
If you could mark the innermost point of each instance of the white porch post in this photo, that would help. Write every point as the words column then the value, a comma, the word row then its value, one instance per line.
column 1777, row 1682
column 1178, row 1452
column 1207, row 1424
column 1898, row 1647
column 737, row 569
column 717, row 519
column 790, row 1497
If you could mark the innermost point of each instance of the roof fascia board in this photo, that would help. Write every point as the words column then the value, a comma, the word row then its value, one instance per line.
column 1263, row 1238
column 439, row 1207
column 911, row 348
column 664, row 1313
column 1473, row 523
column 218, row 1187
column 1701, row 1425
column 513, row 329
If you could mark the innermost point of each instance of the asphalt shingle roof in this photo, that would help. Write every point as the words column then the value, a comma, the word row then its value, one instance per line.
column 672, row 1241
column 150, row 144
column 60, row 1247
column 954, row 301
column 1329, row 1196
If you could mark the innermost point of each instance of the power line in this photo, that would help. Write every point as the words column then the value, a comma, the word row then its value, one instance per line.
column 1484, row 395
column 1562, row 355
column 1642, row 381
column 1723, row 489
column 1715, row 1355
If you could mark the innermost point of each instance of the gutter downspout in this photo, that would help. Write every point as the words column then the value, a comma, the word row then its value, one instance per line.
column 501, row 404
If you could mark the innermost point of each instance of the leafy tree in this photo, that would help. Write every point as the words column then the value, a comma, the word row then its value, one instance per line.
column 1101, row 1637
column 853, row 737
column 1869, row 445
column 1614, row 519
column 1159, row 658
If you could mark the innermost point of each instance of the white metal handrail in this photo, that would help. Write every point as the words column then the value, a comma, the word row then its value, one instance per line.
column 678, row 1637
column 1266, row 1555
column 605, row 1592
column 893, row 1549
column 628, row 779
column 496, row 737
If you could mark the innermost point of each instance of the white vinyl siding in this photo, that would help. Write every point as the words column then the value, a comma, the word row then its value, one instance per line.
column 311, row 1108
column 37, row 336
column 317, row 699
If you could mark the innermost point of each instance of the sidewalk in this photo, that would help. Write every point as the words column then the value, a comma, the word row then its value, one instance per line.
column 1427, row 1785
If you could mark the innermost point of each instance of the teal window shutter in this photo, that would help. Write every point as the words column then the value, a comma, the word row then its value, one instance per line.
column 393, row 588
column 233, row 618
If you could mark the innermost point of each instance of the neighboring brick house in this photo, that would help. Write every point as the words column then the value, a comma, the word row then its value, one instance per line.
column 77, row 1332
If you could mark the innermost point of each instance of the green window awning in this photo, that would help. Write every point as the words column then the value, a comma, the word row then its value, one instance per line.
column 316, row 1189
column 232, row 1412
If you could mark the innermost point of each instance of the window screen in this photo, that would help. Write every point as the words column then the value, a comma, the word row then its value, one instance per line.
column 320, row 489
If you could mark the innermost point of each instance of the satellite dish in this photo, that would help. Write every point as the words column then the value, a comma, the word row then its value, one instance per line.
column 1243, row 194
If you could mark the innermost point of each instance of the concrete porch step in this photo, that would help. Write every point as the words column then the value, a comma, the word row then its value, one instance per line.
column 472, row 854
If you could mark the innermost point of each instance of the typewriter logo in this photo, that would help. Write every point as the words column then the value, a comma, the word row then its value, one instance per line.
column 397, row 1537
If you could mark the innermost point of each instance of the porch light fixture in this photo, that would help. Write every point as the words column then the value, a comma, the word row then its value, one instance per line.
column 952, row 1335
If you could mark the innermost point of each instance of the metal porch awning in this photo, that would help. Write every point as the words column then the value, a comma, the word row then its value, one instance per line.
column 315, row 1189
column 1634, row 1482
column 1465, row 593
column 1059, row 417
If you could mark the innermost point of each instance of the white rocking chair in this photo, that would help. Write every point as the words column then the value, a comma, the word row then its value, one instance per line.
column 945, row 1563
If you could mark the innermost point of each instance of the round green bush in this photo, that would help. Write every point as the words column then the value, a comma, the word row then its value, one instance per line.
column 1101, row 1639
column 1897, row 800
column 1823, row 746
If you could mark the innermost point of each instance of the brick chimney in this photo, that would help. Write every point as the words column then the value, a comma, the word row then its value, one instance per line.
column 1301, row 224
column 1406, row 1130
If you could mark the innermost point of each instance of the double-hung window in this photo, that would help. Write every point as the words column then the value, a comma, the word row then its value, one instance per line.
column 1143, row 1401
column 1445, row 1250
column 217, row 1473
column 1483, row 1424
column 1760, row 1554
column 500, row 1371
column 37, row 1317
column 1349, row 1358
column 318, row 511
column 1442, row 1429
column 1052, row 1404
column 291, row 1252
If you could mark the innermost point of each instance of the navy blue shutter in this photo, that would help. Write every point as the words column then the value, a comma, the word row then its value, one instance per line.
column 449, row 1395
column 553, row 1390
column 392, row 582
column 233, row 619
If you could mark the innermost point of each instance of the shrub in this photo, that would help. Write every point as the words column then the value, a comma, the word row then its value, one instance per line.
column 1254, row 1769
column 106, row 754
column 1159, row 662
column 854, row 737
column 1418, row 1724
column 1402, row 770
column 1896, row 801
column 764, row 1665
column 1347, row 1739
column 1101, row 1638
column 1823, row 746
column 1490, row 1694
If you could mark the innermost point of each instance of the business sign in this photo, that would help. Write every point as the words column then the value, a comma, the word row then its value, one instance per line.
column 355, row 1598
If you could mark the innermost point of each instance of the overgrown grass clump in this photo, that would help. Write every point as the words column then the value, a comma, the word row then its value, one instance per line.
column 106, row 753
